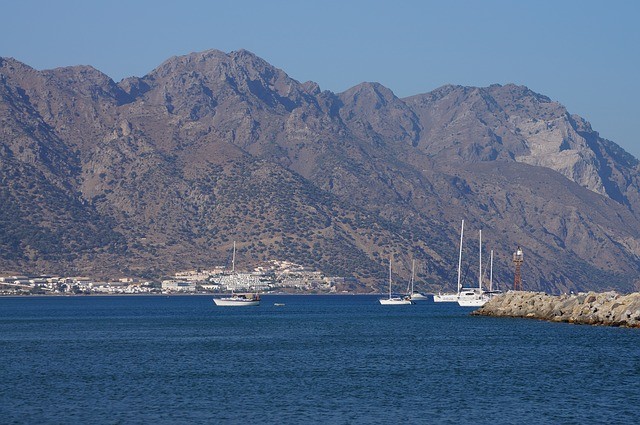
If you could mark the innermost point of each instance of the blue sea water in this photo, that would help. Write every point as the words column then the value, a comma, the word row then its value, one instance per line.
column 317, row 359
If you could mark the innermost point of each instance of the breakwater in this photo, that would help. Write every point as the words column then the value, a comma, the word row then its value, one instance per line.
column 591, row 308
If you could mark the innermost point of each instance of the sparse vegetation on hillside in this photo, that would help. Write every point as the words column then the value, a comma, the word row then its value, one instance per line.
column 164, row 172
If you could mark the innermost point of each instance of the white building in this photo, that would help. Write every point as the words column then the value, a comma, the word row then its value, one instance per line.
column 178, row 286
column 242, row 282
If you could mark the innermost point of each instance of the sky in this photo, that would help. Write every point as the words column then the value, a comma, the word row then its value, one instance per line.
column 584, row 54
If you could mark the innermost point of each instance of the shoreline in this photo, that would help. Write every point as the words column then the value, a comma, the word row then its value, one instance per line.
column 216, row 294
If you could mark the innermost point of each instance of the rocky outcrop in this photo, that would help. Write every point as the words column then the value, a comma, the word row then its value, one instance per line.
column 607, row 308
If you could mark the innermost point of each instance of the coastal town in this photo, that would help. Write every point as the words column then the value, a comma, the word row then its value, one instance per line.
column 274, row 276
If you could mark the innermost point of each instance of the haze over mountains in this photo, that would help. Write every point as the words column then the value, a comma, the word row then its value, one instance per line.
column 161, row 173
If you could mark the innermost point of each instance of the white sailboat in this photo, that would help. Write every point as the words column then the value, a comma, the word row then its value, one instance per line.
column 453, row 297
column 394, row 300
column 413, row 295
column 492, row 292
column 237, row 300
column 475, row 297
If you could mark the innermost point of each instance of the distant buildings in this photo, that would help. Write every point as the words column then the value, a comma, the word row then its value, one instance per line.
column 274, row 275
column 17, row 285
column 178, row 286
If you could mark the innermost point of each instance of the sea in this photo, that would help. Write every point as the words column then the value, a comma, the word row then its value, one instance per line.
column 342, row 359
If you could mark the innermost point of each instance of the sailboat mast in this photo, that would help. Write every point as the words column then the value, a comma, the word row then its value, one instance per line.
column 233, row 258
column 389, row 277
column 491, row 273
column 480, row 256
column 413, row 271
column 460, row 258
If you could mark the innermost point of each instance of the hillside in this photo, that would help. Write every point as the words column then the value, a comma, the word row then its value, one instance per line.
column 160, row 173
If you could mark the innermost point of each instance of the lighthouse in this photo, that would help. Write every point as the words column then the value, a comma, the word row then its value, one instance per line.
column 518, row 259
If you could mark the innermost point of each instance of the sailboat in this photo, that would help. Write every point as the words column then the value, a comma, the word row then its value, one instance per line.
column 453, row 297
column 394, row 300
column 475, row 297
column 237, row 300
column 492, row 292
column 413, row 295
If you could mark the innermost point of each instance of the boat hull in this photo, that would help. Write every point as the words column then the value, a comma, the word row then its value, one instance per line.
column 233, row 302
column 472, row 303
column 445, row 298
column 394, row 301
column 416, row 296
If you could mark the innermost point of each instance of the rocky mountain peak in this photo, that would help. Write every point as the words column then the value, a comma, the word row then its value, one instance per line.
column 372, row 109
column 86, row 81
column 371, row 95
column 15, row 72
column 207, row 79
column 11, row 65
column 311, row 88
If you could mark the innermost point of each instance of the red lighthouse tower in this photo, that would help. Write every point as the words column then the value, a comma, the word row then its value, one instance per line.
column 518, row 259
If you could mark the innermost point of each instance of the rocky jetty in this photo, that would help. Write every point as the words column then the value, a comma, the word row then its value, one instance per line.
column 591, row 308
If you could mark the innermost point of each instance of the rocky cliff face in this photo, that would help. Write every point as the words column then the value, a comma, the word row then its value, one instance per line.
column 515, row 124
column 163, row 172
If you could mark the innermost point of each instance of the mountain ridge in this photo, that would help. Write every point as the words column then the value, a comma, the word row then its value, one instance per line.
column 160, row 163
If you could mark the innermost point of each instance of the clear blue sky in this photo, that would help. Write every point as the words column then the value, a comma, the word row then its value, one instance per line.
column 584, row 54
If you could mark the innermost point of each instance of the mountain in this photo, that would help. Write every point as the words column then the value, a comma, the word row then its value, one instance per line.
column 161, row 173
